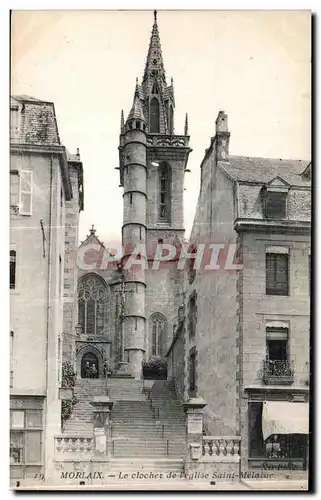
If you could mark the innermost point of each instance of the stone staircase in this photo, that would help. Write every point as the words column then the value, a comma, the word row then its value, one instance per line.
column 125, row 389
column 153, row 427
column 147, row 423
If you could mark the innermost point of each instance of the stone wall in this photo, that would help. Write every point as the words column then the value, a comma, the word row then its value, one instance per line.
column 70, row 267
column 176, row 362
column 29, row 300
column 215, row 339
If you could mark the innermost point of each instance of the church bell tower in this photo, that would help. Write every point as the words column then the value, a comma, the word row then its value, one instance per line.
column 153, row 162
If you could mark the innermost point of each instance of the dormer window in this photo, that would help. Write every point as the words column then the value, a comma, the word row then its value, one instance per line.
column 275, row 205
column 275, row 195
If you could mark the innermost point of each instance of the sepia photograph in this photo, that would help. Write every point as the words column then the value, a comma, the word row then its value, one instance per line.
column 160, row 250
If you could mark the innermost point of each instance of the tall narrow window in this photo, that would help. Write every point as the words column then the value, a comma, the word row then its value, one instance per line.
column 159, row 326
column 154, row 116
column 14, row 188
column 164, row 192
column 277, row 366
column 12, row 269
column 192, row 370
column 25, row 192
column 277, row 272
column 192, row 315
column 171, row 119
column 60, row 277
column 92, row 299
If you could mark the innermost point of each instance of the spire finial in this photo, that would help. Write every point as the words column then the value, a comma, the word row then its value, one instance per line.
column 92, row 229
column 186, row 125
column 155, row 16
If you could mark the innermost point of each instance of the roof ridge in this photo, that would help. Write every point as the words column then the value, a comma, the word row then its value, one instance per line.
column 270, row 158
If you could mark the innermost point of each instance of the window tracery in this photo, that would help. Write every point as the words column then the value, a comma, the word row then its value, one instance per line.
column 159, row 326
column 92, row 302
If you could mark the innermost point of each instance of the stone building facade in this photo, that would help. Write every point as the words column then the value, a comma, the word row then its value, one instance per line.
column 248, row 311
column 42, row 188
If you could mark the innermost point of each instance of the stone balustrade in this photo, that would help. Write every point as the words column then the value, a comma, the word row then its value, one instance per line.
column 168, row 140
column 221, row 448
column 74, row 444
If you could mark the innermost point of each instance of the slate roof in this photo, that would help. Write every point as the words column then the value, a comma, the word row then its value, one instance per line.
column 28, row 98
column 263, row 170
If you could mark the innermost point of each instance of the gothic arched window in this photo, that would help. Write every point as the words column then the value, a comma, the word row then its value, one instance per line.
column 154, row 116
column 92, row 304
column 164, row 192
column 159, row 329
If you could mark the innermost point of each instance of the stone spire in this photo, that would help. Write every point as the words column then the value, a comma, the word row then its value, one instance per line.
column 154, row 64
column 137, row 108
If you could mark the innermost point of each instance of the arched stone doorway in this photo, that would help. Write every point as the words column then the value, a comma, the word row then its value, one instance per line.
column 89, row 366
column 93, row 356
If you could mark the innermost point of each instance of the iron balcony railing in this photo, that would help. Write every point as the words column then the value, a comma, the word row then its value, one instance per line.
column 278, row 370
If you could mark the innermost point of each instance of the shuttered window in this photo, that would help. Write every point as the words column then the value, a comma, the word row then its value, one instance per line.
column 25, row 192
column 14, row 188
column 277, row 274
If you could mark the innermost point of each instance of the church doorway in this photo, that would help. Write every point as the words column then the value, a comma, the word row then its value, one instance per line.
column 89, row 365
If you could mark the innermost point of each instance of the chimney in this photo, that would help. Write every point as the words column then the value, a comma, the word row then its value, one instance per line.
column 222, row 137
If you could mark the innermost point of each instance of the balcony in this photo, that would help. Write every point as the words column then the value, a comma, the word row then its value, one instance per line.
column 278, row 372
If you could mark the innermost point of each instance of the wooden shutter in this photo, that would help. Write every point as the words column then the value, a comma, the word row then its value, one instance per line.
column 25, row 192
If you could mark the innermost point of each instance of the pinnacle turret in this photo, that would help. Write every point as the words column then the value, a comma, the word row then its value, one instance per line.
column 186, row 125
column 136, row 111
column 122, row 122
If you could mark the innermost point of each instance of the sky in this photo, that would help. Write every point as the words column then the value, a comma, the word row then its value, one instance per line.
column 254, row 65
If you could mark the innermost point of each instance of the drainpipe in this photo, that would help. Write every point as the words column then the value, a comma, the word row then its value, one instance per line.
column 48, row 300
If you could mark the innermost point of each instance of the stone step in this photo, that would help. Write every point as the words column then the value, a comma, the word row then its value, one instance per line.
column 148, row 465
column 147, row 427
column 148, row 449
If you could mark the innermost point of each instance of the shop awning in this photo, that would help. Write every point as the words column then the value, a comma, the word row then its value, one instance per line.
column 280, row 417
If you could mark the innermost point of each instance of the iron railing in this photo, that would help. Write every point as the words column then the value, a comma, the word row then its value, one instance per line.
column 278, row 369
